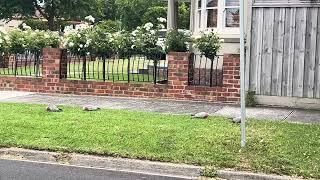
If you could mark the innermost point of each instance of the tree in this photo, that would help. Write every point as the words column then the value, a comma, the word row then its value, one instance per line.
column 153, row 13
column 184, row 16
column 52, row 10
column 111, row 10
column 130, row 12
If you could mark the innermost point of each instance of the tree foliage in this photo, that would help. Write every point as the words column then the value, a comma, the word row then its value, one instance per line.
column 52, row 10
column 153, row 13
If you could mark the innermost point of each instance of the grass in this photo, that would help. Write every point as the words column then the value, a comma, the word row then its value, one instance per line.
column 21, row 71
column 116, row 70
column 273, row 147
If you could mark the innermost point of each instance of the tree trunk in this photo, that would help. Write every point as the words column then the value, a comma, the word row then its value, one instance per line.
column 51, row 23
column 51, row 16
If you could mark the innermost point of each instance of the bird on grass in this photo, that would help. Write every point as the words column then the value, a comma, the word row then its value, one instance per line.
column 53, row 108
column 200, row 115
column 90, row 108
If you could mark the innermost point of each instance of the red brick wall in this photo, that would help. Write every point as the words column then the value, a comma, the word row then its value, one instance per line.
column 177, row 87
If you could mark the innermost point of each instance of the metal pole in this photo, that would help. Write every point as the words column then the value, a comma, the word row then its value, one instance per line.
column 242, row 75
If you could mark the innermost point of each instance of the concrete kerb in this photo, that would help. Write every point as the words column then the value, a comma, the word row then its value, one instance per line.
column 182, row 171
column 233, row 175
column 108, row 163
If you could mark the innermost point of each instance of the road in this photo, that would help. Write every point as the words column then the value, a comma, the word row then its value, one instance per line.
column 24, row 170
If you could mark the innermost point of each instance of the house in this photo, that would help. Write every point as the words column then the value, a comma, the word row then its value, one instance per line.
column 282, row 45
column 221, row 16
column 11, row 24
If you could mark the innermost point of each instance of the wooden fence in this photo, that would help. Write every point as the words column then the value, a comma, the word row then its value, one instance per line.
column 283, row 58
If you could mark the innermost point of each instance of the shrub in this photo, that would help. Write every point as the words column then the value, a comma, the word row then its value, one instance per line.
column 18, row 42
column 109, row 26
column 4, row 42
column 80, row 42
column 251, row 100
column 123, row 43
column 102, row 41
column 177, row 41
column 36, row 24
column 209, row 45
column 35, row 41
column 153, row 13
column 145, row 40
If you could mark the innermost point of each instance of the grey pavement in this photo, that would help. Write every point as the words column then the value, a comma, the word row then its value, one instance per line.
column 26, row 170
column 163, row 106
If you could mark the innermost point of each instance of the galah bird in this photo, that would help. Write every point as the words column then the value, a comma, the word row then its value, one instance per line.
column 236, row 120
column 53, row 108
column 91, row 108
column 201, row 115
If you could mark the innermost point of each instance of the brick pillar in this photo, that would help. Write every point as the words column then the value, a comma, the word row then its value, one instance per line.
column 51, row 68
column 178, row 69
column 231, row 77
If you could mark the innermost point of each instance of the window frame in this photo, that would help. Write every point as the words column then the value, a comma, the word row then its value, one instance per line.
column 201, row 22
column 225, row 7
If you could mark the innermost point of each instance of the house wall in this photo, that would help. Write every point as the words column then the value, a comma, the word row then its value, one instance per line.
column 7, row 25
column 231, row 36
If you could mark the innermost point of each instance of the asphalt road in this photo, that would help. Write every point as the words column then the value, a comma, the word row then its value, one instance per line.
column 23, row 170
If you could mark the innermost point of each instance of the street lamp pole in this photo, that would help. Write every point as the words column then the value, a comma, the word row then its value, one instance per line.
column 242, row 74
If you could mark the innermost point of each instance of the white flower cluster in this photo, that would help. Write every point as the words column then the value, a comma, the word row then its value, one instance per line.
column 25, row 26
column 162, row 20
column 90, row 19
column 18, row 41
column 98, row 41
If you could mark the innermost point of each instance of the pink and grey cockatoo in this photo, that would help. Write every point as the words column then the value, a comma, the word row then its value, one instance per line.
column 200, row 115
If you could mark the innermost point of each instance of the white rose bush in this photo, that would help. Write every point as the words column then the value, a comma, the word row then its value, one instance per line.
column 4, row 42
column 19, row 41
column 146, row 40
column 98, row 41
column 87, row 39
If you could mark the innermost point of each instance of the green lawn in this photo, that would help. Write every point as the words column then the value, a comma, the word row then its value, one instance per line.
column 21, row 71
column 116, row 70
column 273, row 147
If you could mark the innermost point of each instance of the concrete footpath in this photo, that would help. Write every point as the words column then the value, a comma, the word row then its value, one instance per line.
column 163, row 106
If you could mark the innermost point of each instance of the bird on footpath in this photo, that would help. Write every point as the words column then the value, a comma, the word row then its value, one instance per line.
column 200, row 115
column 53, row 108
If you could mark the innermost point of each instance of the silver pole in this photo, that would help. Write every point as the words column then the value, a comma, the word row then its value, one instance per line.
column 242, row 75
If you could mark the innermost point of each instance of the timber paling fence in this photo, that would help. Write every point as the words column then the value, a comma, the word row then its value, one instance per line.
column 284, row 53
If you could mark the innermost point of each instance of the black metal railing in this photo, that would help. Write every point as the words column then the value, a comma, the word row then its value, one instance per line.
column 205, row 72
column 134, row 68
column 25, row 64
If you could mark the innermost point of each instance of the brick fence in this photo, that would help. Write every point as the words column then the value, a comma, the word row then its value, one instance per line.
column 55, row 69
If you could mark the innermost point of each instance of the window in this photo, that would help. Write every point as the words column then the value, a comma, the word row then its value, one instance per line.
column 218, row 15
column 232, row 18
column 212, row 13
column 199, row 13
